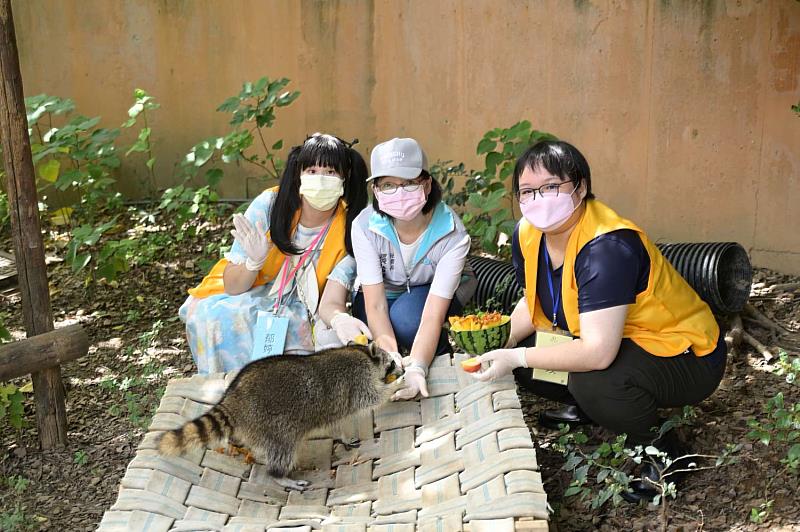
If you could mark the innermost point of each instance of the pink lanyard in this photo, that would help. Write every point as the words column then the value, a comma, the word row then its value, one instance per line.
column 286, row 275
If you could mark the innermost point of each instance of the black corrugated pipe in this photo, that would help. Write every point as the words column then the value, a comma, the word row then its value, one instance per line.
column 496, row 281
column 720, row 272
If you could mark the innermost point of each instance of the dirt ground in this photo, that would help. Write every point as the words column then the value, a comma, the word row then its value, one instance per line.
column 137, row 345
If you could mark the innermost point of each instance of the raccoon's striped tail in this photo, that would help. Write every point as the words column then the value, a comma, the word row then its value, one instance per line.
column 210, row 428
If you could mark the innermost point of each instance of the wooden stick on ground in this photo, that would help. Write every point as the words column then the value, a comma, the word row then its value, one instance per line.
column 761, row 319
column 783, row 287
column 761, row 348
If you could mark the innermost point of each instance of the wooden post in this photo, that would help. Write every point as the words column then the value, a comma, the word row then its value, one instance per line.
column 51, row 417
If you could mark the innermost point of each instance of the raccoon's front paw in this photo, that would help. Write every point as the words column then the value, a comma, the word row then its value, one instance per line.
column 291, row 484
column 350, row 443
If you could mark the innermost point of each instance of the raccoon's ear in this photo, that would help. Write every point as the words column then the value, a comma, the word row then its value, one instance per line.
column 374, row 350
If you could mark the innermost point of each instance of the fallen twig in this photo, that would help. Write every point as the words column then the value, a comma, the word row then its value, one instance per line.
column 760, row 318
column 761, row 348
column 783, row 287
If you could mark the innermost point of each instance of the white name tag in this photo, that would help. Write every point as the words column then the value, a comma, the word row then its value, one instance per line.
column 544, row 339
column 270, row 335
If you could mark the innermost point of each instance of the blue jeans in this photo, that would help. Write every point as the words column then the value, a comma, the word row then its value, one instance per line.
column 405, row 314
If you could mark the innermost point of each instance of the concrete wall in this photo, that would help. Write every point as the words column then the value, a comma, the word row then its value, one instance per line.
column 681, row 106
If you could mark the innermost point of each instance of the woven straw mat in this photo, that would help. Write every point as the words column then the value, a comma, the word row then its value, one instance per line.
column 461, row 459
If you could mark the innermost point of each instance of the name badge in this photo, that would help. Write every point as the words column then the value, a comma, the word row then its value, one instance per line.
column 270, row 335
column 545, row 339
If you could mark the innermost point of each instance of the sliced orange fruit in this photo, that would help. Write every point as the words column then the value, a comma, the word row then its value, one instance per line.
column 471, row 365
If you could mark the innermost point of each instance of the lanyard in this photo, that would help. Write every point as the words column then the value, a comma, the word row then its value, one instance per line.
column 553, row 298
column 286, row 275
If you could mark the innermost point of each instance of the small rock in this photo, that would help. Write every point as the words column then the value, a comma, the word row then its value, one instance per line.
column 20, row 452
column 189, row 265
column 94, row 481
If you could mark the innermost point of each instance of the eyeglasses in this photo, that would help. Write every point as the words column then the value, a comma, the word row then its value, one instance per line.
column 524, row 195
column 391, row 188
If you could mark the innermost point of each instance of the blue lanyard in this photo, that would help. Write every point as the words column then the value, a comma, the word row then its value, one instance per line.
column 553, row 298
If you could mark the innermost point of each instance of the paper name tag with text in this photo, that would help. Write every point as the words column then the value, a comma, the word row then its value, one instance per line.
column 544, row 339
column 270, row 335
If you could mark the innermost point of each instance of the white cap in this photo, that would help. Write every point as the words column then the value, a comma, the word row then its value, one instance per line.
column 401, row 158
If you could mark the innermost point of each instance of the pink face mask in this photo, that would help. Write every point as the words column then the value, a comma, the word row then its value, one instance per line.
column 548, row 212
column 402, row 205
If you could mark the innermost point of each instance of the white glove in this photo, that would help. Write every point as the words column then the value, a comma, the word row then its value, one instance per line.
column 398, row 359
column 348, row 327
column 253, row 240
column 504, row 361
column 415, row 383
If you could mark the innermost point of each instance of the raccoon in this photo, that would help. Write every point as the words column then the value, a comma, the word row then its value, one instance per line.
column 274, row 402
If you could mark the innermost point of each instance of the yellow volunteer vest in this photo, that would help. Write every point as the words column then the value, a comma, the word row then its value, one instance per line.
column 333, row 250
column 666, row 319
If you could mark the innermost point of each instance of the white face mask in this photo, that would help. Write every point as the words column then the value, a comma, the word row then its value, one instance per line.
column 321, row 191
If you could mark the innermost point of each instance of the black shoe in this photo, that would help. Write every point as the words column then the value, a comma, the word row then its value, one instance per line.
column 570, row 415
column 642, row 490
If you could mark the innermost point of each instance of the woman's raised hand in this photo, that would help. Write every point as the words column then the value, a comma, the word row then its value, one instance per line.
column 253, row 240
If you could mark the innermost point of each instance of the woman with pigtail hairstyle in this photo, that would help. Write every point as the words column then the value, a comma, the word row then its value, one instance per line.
column 288, row 244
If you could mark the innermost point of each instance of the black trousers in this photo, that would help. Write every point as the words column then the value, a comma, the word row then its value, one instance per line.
column 624, row 397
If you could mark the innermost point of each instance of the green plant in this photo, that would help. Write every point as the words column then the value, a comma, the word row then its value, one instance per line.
column 5, row 213
column 12, row 409
column 780, row 424
column 600, row 474
column 485, row 202
column 796, row 108
column 760, row 514
column 143, row 103
column 81, row 458
column 14, row 517
column 5, row 335
column 251, row 110
column 787, row 366
column 446, row 173
column 76, row 156
column 184, row 204
column 134, row 401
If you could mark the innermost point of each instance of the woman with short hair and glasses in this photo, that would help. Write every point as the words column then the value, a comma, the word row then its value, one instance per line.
column 410, row 250
column 291, row 241
column 604, row 310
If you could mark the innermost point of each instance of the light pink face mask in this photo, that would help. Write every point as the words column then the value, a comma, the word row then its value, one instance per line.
column 549, row 212
column 402, row 205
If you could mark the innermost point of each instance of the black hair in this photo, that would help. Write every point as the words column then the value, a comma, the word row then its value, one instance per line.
column 318, row 150
column 434, row 197
column 560, row 159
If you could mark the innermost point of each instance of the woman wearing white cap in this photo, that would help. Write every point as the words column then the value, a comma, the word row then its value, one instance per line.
column 410, row 250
